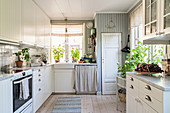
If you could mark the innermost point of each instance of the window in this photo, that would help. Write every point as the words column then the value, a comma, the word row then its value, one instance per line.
column 71, row 39
column 155, row 52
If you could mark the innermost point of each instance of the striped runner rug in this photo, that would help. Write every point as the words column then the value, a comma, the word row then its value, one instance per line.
column 67, row 105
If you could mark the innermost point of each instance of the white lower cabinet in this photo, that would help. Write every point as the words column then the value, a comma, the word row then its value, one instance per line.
column 41, row 86
column 64, row 78
column 6, row 96
column 135, row 105
column 145, row 98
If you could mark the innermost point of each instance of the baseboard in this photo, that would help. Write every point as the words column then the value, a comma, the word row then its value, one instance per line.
column 99, row 93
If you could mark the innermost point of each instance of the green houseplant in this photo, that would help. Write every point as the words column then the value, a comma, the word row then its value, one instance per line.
column 75, row 54
column 58, row 53
column 138, row 56
column 23, row 54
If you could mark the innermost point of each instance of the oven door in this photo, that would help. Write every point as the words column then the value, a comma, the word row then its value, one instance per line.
column 20, row 103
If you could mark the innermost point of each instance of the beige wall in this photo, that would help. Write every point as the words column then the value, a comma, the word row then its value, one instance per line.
column 136, row 17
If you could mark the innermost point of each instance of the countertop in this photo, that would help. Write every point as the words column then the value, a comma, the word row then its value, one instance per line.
column 8, row 76
column 162, row 83
column 77, row 64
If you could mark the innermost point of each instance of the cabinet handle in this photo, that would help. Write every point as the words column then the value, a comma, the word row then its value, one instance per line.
column 39, row 89
column 147, row 87
column 39, row 80
column 131, row 79
column 148, row 98
column 131, row 87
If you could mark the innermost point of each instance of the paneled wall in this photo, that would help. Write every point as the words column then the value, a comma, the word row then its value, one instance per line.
column 121, row 26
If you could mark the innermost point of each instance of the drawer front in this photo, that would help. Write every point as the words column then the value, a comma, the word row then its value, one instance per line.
column 132, row 85
column 37, row 76
column 152, row 91
column 132, row 89
column 152, row 102
column 132, row 80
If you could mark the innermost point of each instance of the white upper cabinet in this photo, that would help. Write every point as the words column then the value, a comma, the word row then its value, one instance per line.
column 10, row 16
column 165, row 16
column 151, row 20
column 40, row 30
column 47, row 32
column 23, row 20
column 156, row 18
column 28, row 22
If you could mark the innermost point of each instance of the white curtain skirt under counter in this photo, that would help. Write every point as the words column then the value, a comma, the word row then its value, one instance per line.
column 86, row 79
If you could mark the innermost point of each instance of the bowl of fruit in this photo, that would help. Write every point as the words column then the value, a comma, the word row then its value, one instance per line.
column 148, row 68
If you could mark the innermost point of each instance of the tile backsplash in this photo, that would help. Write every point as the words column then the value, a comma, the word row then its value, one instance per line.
column 7, row 59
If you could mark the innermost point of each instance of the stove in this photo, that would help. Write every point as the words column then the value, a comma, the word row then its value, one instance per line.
column 21, row 104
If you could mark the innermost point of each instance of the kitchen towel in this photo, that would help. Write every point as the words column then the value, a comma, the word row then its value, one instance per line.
column 86, row 79
column 24, row 89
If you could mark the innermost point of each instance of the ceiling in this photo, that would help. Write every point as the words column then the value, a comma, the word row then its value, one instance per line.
column 82, row 9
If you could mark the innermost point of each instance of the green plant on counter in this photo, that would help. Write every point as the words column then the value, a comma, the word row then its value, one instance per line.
column 138, row 56
column 18, row 54
column 23, row 54
column 75, row 54
column 58, row 52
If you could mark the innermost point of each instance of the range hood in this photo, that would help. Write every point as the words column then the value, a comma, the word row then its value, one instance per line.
column 5, row 42
column 165, row 39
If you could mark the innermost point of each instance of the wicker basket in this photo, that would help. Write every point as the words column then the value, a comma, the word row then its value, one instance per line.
column 122, row 97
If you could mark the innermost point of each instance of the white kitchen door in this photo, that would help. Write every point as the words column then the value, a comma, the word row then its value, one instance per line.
column 111, row 54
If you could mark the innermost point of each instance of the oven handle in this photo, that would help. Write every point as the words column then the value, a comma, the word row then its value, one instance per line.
column 17, row 82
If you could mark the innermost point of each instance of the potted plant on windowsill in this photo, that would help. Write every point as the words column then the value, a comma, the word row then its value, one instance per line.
column 75, row 55
column 58, row 53
column 23, row 54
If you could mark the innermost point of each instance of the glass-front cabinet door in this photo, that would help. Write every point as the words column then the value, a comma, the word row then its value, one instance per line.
column 151, row 21
column 165, row 25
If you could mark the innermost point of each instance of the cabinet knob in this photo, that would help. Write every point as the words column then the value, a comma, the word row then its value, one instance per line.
column 39, row 89
column 148, row 98
column 39, row 80
column 39, row 75
column 39, row 70
column 131, row 87
column 131, row 79
column 147, row 87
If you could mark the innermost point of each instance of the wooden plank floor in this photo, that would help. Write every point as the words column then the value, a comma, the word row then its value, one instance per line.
column 90, row 104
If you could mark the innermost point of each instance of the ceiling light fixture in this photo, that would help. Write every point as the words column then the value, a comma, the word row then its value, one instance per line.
column 110, row 25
